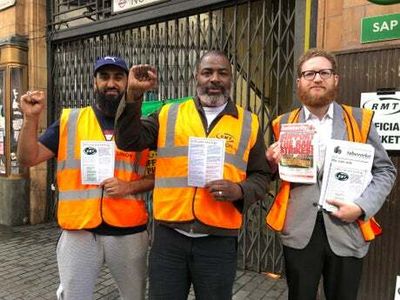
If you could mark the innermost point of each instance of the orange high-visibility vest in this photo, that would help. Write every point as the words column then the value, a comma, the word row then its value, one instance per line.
column 357, row 131
column 173, row 199
column 86, row 206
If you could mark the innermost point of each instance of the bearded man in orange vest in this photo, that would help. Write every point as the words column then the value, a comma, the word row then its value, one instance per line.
column 197, row 219
column 316, row 242
column 104, row 221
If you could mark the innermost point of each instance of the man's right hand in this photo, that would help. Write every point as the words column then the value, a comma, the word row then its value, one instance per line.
column 32, row 104
column 273, row 155
column 30, row 152
column 141, row 79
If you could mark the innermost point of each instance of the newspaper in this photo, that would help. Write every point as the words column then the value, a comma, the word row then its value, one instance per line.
column 97, row 161
column 347, row 171
column 206, row 160
column 299, row 153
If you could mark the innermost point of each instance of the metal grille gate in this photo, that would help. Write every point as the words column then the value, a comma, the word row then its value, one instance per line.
column 258, row 37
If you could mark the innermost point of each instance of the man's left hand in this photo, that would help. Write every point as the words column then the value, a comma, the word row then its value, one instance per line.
column 224, row 190
column 141, row 79
column 347, row 211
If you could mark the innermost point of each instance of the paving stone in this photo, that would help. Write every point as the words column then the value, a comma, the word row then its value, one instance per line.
column 256, row 294
column 28, row 270
column 240, row 295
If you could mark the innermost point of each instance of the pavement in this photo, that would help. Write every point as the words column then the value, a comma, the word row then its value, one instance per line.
column 28, row 269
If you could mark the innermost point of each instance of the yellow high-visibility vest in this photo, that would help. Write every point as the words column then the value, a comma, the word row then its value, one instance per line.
column 87, row 206
column 173, row 199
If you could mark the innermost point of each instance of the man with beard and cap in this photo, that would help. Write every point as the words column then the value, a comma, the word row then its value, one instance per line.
column 105, row 222
column 315, row 242
column 196, row 227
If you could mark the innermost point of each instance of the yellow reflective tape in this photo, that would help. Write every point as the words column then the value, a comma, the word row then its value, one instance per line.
column 307, row 25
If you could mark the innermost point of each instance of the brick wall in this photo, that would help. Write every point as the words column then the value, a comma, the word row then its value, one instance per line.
column 339, row 23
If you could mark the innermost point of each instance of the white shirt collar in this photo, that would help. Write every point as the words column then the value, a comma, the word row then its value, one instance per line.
column 310, row 115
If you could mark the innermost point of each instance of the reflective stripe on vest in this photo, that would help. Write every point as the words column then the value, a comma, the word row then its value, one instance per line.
column 358, row 123
column 173, row 199
column 277, row 213
column 86, row 206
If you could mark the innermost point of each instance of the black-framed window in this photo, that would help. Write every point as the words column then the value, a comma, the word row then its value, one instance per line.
column 16, row 91
column 12, row 86
column 3, row 166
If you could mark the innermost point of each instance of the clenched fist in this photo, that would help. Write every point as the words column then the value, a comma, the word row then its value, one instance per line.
column 32, row 103
column 141, row 79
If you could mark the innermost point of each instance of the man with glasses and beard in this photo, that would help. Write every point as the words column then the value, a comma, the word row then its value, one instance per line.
column 196, row 227
column 315, row 242
column 105, row 222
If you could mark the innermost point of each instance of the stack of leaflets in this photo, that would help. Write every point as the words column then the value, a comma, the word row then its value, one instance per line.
column 347, row 165
column 347, row 171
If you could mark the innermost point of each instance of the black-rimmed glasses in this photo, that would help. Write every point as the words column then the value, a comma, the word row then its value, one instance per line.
column 324, row 74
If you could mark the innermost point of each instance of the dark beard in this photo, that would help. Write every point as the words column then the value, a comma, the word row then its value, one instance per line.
column 108, row 105
column 317, row 101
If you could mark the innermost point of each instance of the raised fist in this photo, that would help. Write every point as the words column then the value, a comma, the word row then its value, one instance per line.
column 32, row 103
column 142, row 78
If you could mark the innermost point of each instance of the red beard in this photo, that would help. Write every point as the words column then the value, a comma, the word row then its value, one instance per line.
column 317, row 101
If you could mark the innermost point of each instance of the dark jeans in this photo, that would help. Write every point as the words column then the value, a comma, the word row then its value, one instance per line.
column 304, row 267
column 176, row 261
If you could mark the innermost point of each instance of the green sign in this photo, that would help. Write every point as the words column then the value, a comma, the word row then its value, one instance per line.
column 380, row 28
column 384, row 2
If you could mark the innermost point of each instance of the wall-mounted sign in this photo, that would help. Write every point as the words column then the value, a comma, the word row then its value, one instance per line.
column 380, row 28
column 122, row 5
column 386, row 117
column 6, row 3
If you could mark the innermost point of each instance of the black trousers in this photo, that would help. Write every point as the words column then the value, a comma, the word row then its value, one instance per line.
column 304, row 268
column 176, row 261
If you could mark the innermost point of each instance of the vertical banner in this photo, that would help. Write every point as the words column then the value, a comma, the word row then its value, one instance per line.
column 386, row 109
column 6, row 4
column 397, row 289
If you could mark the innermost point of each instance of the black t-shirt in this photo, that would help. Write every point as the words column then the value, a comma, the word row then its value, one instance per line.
column 50, row 139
